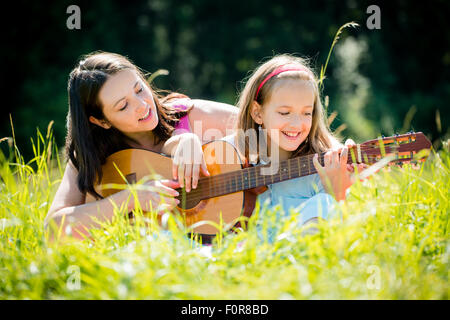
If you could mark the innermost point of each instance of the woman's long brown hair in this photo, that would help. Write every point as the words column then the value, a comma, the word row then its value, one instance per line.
column 88, row 145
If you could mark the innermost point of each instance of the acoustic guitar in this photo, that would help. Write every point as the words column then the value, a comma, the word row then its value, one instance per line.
column 231, row 190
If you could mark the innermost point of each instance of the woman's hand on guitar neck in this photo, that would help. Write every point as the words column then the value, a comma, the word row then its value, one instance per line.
column 188, row 161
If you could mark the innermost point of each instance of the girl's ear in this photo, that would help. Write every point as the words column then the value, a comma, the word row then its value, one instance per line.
column 256, row 112
column 101, row 123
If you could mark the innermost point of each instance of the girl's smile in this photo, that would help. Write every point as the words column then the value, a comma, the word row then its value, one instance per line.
column 291, row 135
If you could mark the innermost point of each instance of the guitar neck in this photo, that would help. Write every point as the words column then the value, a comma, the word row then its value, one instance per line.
column 258, row 176
column 405, row 146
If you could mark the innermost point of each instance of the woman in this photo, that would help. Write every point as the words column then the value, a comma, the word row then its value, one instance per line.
column 112, row 107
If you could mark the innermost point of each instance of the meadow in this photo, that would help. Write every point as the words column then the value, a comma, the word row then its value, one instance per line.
column 391, row 242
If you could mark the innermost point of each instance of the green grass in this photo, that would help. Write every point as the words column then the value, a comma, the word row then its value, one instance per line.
column 391, row 244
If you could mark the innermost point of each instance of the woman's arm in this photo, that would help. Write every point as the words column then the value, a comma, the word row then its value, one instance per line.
column 187, row 159
column 69, row 207
column 208, row 120
column 211, row 120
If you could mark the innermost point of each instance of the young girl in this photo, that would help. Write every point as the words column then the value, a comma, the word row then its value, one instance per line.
column 112, row 107
column 281, row 98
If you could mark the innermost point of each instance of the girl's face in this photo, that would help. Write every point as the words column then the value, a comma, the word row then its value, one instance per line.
column 127, row 103
column 287, row 114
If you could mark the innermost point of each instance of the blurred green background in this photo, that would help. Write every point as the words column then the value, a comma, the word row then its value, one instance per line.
column 382, row 81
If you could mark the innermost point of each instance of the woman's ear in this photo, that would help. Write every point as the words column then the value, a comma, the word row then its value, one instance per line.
column 101, row 123
column 256, row 112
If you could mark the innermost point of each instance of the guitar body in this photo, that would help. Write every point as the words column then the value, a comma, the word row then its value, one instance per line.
column 220, row 157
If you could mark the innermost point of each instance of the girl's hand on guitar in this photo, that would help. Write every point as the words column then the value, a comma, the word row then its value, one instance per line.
column 334, row 175
column 159, row 196
column 351, row 167
column 188, row 161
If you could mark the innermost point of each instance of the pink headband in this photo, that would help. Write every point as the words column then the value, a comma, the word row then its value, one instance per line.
column 280, row 69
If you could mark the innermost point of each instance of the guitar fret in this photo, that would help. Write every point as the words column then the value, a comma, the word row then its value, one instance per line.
column 294, row 171
column 245, row 179
column 285, row 174
column 302, row 167
column 264, row 177
column 222, row 188
column 309, row 165
column 233, row 184
column 289, row 168
column 254, row 178
column 257, row 177
column 237, row 182
column 216, row 187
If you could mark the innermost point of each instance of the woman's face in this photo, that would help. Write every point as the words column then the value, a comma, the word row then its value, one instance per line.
column 287, row 114
column 128, row 103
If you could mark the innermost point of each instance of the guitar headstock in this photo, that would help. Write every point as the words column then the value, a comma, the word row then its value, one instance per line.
column 410, row 147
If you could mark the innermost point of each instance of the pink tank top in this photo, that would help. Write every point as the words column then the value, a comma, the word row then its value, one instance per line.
column 182, row 125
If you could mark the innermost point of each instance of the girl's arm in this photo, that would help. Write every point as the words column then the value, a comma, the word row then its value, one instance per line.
column 69, row 207
column 336, row 175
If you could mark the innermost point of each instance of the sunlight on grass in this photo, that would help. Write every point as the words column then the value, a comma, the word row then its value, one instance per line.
column 391, row 243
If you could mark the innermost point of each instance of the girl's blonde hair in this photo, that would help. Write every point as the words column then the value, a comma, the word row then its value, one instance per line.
column 319, row 138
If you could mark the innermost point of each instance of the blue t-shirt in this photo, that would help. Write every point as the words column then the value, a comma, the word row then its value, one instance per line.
column 304, row 196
